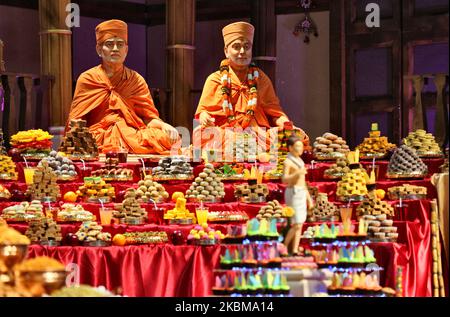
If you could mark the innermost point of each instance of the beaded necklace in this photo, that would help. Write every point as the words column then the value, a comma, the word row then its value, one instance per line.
column 252, row 80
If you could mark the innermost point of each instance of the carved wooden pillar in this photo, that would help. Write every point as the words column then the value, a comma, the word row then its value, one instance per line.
column 265, row 43
column 180, row 23
column 2, row 62
column 56, row 57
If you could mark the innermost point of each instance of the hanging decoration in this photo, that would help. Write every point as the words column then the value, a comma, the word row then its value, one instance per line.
column 306, row 25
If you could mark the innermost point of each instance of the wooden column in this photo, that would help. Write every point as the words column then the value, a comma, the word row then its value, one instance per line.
column 56, row 57
column 265, row 43
column 180, row 22
column 2, row 62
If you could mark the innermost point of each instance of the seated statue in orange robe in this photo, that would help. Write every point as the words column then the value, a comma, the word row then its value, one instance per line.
column 239, row 96
column 116, row 101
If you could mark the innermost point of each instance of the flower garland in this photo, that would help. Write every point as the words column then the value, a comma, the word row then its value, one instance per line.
column 252, row 80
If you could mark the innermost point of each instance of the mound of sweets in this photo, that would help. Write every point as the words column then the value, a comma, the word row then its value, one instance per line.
column 44, row 185
column 32, row 143
column 207, row 186
column 7, row 168
column 330, row 146
column 130, row 209
column 375, row 145
column 203, row 235
column 149, row 189
column 251, row 192
column 78, row 143
column 24, row 211
column 95, row 188
column 323, row 209
column 424, row 143
column 172, row 168
column 62, row 166
column 381, row 229
column 44, row 230
column 406, row 163
column 91, row 231
column 338, row 169
column 372, row 205
column 10, row 236
column 113, row 172
column 406, row 191
column 74, row 213
column 40, row 264
column 353, row 184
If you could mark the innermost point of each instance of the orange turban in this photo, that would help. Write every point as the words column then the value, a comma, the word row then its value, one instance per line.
column 236, row 30
column 110, row 29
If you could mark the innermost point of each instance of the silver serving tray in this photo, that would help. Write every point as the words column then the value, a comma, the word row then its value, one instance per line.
column 132, row 221
column 98, row 243
column 247, row 200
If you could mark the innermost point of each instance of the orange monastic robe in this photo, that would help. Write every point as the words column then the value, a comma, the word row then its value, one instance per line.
column 115, row 109
column 267, row 111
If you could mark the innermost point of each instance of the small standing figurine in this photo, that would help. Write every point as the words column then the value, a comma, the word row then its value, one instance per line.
column 296, row 195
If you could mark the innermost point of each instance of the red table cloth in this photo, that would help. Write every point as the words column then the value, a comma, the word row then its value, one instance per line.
column 153, row 270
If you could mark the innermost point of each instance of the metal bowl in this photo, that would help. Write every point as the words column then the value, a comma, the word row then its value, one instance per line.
column 11, row 255
column 39, row 283
column 50, row 243
column 132, row 221
column 352, row 198
column 185, row 221
column 97, row 243
column 406, row 176
column 247, row 200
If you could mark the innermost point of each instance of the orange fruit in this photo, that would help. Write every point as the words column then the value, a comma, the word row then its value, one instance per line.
column 177, row 195
column 380, row 193
column 264, row 157
column 70, row 197
column 119, row 240
column 288, row 211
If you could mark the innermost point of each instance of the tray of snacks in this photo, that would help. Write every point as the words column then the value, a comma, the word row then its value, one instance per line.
column 227, row 216
column 146, row 237
column 424, row 144
column 172, row 169
column 397, row 196
column 330, row 147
